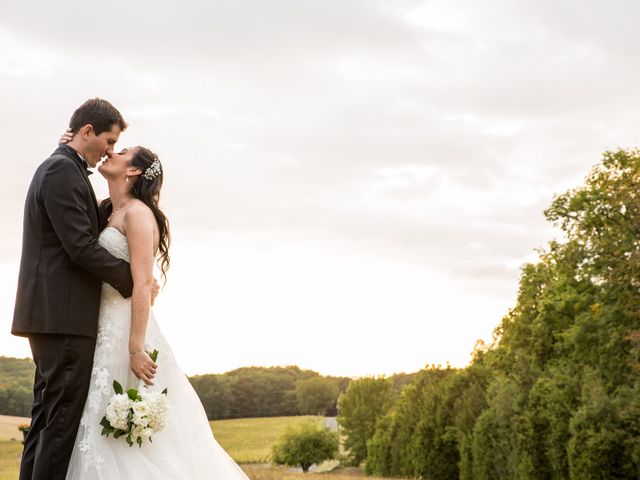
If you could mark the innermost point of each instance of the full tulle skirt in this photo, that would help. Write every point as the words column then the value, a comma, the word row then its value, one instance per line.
column 184, row 449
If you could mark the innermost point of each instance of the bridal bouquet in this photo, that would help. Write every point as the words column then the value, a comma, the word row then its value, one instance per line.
column 135, row 415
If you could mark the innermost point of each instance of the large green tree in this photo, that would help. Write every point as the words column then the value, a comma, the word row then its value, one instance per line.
column 428, row 432
column 359, row 408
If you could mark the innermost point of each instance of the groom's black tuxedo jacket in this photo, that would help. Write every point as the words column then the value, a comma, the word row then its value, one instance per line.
column 63, row 266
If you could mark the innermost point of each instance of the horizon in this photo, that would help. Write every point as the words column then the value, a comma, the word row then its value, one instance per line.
column 288, row 366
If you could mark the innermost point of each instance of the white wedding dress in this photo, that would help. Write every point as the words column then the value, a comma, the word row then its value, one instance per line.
column 185, row 449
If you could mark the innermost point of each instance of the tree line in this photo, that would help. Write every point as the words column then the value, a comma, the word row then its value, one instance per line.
column 241, row 393
column 556, row 394
column 16, row 386
column 268, row 392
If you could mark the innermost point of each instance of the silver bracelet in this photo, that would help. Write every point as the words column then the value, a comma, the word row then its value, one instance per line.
column 134, row 353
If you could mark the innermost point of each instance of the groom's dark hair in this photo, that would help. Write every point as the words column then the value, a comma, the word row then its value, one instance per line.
column 98, row 113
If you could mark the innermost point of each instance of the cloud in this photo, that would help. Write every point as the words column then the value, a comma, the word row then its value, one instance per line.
column 427, row 133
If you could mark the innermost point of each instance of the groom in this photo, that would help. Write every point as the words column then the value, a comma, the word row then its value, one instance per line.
column 61, row 272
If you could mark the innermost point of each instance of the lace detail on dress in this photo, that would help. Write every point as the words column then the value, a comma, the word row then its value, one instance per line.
column 114, row 322
column 115, row 242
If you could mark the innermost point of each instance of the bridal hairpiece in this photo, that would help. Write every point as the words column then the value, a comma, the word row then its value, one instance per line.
column 153, row 170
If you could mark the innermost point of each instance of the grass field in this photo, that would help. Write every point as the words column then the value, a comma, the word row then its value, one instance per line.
column 268, row 472
column 247, row 440
column 10, row 451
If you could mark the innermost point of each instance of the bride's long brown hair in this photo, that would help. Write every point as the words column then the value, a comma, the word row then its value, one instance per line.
column 147, row 191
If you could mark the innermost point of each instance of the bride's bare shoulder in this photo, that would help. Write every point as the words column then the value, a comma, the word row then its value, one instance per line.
column 138, row 211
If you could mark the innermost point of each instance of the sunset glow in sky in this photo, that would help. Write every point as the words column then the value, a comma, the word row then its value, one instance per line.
column 352, row 186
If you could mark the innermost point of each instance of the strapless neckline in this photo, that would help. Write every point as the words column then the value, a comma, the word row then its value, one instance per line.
column 114, row 228
column 116, row 244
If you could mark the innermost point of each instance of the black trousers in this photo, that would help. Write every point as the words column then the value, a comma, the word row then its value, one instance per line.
column 63, row 373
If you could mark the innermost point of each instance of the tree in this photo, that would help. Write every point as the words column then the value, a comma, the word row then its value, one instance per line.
column 360, row 407
column 316, row 395
column 215, row 393
column 16, row 386
column 304, row 446
column 600, row 440
column 428, row 431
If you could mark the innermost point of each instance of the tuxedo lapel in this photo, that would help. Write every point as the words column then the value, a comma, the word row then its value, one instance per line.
column 67, row 151
column 93, row 194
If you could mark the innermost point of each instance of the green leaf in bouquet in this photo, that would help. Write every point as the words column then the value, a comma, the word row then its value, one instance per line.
column 139, row 441
column 153, row 355
column 107, row 429
column 117, row 387
column 118, row 433
column 129, row 441
column 133, row 394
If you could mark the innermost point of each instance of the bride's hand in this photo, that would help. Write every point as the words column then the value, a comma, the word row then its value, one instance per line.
column 142, row 366
column 66, row 137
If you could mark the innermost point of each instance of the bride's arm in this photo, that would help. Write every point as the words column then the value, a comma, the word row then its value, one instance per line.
column 139, row 224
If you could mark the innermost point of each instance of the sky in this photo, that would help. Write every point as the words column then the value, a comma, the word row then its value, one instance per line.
column 352, row 186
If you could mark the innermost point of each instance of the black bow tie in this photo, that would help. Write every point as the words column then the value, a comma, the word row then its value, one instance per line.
column 85, row 165
column 83, row 162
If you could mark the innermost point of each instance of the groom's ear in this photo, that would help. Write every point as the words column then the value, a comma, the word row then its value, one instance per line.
column 86, row 131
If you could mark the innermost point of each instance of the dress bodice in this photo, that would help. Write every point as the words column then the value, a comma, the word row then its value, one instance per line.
column 114, row 241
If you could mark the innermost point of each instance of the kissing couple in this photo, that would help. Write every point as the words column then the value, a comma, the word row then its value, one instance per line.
column 84, row 301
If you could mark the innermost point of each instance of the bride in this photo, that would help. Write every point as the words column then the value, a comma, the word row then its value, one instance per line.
column 136, row 230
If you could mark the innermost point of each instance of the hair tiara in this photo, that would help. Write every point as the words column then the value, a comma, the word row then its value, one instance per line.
column 153, row 170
